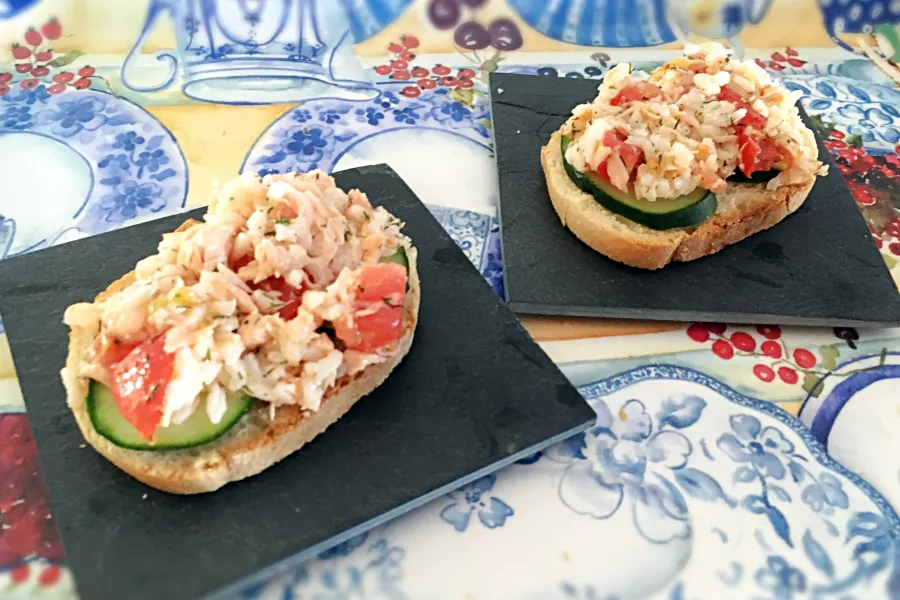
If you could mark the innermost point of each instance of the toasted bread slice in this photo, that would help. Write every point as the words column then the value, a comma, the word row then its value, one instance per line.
column 743, row 210
column 256, row 442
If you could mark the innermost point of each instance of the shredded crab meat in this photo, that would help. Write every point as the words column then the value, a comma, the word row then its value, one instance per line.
column 228, row 336
column 682, row 121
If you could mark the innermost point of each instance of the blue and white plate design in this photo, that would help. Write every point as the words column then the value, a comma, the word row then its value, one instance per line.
column 684, row 489
column 90, row 160
column 860, row 395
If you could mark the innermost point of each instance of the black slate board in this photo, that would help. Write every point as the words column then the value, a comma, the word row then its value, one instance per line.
column 474, row 393
column 817, row 267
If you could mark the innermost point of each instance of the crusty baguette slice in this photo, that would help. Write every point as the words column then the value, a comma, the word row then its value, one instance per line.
column 256, row 442
column 743, row 210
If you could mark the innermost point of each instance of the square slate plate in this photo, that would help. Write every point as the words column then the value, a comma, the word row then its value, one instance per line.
column 817, row 267
column 474, row 394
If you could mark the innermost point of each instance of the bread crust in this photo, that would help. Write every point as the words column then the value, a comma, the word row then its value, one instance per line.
column 256, row 442
column 744, row 209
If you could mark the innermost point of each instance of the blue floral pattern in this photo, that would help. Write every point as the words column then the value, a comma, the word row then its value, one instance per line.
column 327, row 129
column 136, row 165
column 474, row 499
column 648, row 471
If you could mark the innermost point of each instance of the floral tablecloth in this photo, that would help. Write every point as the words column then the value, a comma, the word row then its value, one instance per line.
column 699, row 480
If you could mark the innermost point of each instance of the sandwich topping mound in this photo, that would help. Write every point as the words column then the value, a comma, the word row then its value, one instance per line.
column 693, row 124
column 289, row 285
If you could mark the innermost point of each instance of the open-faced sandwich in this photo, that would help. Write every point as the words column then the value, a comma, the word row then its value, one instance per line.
column 246, row 335
column 675, row 166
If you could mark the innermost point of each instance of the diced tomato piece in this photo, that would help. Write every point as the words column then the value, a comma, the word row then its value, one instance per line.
column 381, row 281
column 758, row 155
column 381, row 329
column 603, row 171
column 648, row 90
column 613, row 139
column 292, row 297
column 626, row 95
column 769, row 154
column 749, row 152
column 752, row 118
column 385, row 285
column 139, row 381
column 631, row 156
column 238, row 263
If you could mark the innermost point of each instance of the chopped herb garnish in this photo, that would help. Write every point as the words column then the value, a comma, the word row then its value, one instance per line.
column 283, row 222
column 208, row 355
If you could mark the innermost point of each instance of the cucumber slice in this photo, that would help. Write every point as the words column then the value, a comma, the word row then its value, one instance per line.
column 198, row 429
column 398, row 257
column 684, row 211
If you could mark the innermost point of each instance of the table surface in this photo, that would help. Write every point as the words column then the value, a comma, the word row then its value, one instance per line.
column 698, row 481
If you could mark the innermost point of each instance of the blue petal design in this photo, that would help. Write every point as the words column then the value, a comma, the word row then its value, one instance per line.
column 859, row 93
column 747, row 427
column 458, row 515
column 826, row 89
column 680, row 413
column 733, row 447
column 797, row 471
column 699, row 484
column 817, row 555
column 755, row 504
column 632, row 422
column 744, row 475
column 780, row 492
column 820, row 104
column 780, row 524
column 496, row 515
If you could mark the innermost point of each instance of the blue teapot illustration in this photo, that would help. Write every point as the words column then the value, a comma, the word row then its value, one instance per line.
column 878, row 17
column 639, row 23
column 10, row 8
column 263, row 51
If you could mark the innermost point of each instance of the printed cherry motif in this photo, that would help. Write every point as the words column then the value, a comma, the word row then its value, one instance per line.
column 467, row 73
column 716, row 328
column 43, row 56
column 427, row 84
column 466, row 84
column 33, row 37
column 698, row 333
column 395, row 48
column 771, row 332
column 410, row 41
column 411, row 92
column 86, row 71
column 57, row 88
column 804, row 358
column 23, row 68
column 64, row 77
column 40, row 71
column 723, row 349
column 20, row 574
column 49, row 576
column 4, row 89
column 419, row 72
column 51, row 29
column 82, row 84
column 440, row 70
column 20, row 52
column 30, row 84
column 401, row 75
column 788, row 375
column 764, row 373
column 397, row 65
column 5, row 77
column 383, row 70
column 743, row 341
column 771, row 349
